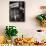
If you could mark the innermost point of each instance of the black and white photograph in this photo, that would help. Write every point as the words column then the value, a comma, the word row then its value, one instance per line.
column 16, row 11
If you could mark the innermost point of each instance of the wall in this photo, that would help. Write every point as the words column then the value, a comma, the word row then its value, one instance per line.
column 32, row 8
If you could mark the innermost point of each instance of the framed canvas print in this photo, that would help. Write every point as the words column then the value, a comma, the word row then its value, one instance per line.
column 16, row 11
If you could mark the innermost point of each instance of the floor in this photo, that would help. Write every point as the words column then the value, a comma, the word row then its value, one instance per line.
column 31, row 45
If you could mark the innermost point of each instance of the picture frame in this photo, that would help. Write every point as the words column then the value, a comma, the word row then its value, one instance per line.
column 16, row 11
